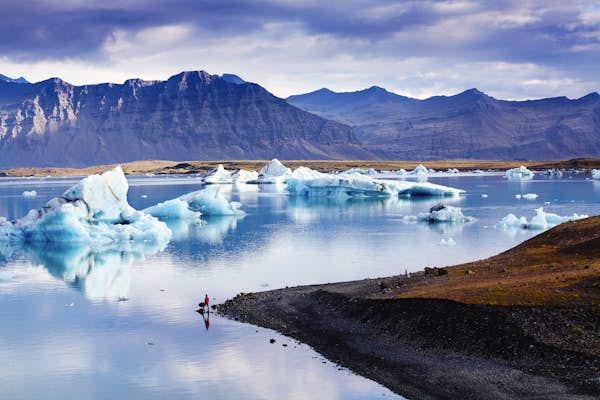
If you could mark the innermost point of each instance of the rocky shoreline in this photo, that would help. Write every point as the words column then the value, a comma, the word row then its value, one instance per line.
column 526, row 341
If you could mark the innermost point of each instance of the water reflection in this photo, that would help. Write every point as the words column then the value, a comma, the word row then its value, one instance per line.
column 210, row 230
column 99, row 273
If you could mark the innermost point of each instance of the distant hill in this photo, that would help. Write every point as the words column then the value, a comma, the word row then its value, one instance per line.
column 191, row 116
column 17, row 80
column 468, row 125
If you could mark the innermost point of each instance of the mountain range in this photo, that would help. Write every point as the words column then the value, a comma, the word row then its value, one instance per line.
column 191, row 116
column 4, row 78
column 198, row 116
column 469, row 125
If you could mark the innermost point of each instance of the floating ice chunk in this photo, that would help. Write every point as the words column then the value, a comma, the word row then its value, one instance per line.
column 357, row 185
column 484, row 195
column 401, row 171
column 362, row 171
column 478, row 171
column 306, row 173
column 452, row 171
column 554, row 173
column 511, row 221
column 29, row 194
column 543, row 220
column 273, row 172
column 444, row 213
column 173, row 209
column 596, row 174
column 191, row 206
column 419, row 170
column 447, row 242
column 520, row 173
column 95, row 210
column 527, row 196
column 342, row 185
column 218, row 175
column 243, row 176
column 540, row 221
column 104, row 195
column 404, row 188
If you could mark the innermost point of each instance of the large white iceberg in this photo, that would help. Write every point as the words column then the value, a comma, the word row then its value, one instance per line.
column 95, row 210
column 273, row 172
column 218, row 175
column 192, row 206
column 520, row 173
column 596, row 174
column 358, row 185
column 542, row 220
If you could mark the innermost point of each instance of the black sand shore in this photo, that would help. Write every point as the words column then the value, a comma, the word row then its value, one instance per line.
column 474, row 348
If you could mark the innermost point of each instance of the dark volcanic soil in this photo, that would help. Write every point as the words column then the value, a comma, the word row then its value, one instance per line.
column 537, row 336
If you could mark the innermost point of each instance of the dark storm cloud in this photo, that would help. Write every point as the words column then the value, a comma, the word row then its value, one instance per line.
column 546, row 32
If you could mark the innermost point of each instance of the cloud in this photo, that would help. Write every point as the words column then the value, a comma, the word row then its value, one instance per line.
column 291, row 46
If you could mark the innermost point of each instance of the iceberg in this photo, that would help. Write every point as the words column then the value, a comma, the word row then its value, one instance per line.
column 530, row 196
column 596, row 174
column 520, row 173
column 554, row 173
column 403, row 188
column 358, row 185
column 444, row 213
column 221, row 175
column 217, row 175
column 343, row 185
column 273, row 172
column 243, row 176
column 28, row 194
column 95, row 211
column 192, row 206
column 361, row 171
column 541, row 221
column 419, row 170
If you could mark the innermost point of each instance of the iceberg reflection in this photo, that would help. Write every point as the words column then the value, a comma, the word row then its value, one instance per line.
column 99, row 273
column 211, row 229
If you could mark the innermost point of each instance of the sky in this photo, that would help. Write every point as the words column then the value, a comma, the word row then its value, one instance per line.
column 509, row 49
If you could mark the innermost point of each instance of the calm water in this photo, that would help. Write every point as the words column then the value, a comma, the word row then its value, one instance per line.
column 121, row 323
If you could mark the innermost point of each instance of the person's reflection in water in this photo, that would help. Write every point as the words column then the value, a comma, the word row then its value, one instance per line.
column 206, row 318
column 205, row 315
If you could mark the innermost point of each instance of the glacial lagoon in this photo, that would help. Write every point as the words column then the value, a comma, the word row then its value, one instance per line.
column 121, row 323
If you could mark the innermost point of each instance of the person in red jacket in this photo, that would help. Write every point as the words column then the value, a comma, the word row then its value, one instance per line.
column 206, row 300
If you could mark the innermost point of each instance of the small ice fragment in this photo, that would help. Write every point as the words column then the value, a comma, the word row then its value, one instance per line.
column 484, row 195
column 447, row 242
column 518, row 196
column 29, row 194
column 444, row 213
column 530, row 196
